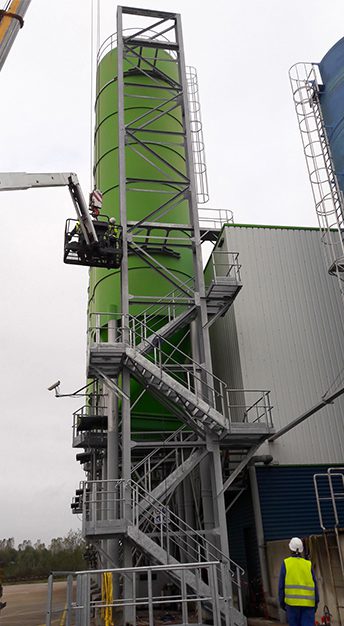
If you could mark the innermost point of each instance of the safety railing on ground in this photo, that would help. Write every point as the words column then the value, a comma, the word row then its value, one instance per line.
column 147, row 592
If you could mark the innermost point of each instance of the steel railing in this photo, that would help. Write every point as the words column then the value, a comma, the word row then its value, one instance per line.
column 223, row 265
column 178, row 539
column 139, row 595
column 214, row 218
column 146, row 468
column 330, row 501
column 249, row 405
column 110, row 43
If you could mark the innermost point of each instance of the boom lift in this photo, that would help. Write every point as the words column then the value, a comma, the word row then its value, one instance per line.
column 88, row 241
column 11, row 21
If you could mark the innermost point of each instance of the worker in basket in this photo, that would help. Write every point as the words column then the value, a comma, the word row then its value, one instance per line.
column 298, row 589
column 75, row 232
column 112, row 233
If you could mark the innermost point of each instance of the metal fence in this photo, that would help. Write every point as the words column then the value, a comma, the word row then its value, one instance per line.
column 139, row 595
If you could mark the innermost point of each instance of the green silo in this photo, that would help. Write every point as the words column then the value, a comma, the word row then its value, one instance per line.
column 104, row 285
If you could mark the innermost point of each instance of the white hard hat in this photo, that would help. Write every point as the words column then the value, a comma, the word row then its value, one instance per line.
column 112, row 220
column 296, row 545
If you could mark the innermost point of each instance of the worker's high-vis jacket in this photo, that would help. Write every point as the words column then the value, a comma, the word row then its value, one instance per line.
column 297, row 583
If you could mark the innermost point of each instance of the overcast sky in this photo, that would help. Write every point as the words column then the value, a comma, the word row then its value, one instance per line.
column 242, row 51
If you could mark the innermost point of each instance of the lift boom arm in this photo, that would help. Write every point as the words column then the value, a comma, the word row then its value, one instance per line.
column 12, row 181
column 11, row 21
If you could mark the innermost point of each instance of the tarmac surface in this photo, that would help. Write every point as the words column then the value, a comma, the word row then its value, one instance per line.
column 27, row 604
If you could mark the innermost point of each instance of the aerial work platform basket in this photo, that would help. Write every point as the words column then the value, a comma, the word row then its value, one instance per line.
column 106, row 252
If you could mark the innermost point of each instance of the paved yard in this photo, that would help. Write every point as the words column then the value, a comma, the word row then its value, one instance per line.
column 26, row 604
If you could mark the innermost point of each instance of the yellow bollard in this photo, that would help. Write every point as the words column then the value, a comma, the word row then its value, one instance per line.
column 107, row 598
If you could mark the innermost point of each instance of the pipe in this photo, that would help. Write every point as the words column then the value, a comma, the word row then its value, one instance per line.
column 259, row 530
column 320, row 405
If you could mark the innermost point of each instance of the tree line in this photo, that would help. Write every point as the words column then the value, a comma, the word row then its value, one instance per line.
column 34, row 561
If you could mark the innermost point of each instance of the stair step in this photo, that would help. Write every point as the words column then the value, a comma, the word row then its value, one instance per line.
column 172, row 394
column 197, row 412
column 173, row 390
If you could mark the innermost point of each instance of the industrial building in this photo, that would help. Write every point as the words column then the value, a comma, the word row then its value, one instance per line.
column 286, row 329
column 208, row 433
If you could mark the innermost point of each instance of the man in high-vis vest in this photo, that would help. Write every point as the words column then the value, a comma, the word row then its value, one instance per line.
column 297, row 588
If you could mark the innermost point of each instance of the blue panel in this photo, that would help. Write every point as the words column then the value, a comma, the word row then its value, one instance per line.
column 332, row 104
column 288, row 502
column 243, row 546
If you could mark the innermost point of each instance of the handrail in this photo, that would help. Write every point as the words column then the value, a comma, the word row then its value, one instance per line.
column 172, row 293
column 333, row 497
column 158, row 506
column 111, row 42
column 199, row 380
column 161, row 445
column 232, row 265
column 214, row 218
column 158, row 520
column 201, row 375
column 80, row 605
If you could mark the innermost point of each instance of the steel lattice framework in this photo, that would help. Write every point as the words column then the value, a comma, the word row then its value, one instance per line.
column 135, row 499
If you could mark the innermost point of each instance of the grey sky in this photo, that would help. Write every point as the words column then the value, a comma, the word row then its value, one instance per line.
column 242, row 52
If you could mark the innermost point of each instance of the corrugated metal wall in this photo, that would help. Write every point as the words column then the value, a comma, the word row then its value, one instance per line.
column 288, row 502
column 285, row 333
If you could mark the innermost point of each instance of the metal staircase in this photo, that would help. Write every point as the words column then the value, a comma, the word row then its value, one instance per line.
column 197, row 396
column 202, row 402
column 167, row 539
column 155, row 487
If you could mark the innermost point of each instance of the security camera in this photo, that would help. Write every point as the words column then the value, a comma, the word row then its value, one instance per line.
column 54, row 386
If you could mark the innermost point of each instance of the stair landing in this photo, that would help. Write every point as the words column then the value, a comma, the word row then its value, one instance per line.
column 107, row 357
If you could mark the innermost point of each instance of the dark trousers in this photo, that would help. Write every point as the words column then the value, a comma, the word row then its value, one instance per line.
column 300, row 615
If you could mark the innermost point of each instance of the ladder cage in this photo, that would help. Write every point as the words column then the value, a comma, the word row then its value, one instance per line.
column 306, row 84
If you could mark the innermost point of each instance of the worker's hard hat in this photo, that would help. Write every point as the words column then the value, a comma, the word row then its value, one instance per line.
column 112, row 220
column 296, row 545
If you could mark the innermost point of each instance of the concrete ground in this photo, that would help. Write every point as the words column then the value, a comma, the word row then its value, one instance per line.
column 260, row 621
column 26, row 604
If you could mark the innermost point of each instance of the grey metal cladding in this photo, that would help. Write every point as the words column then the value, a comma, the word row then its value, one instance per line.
column 285, row 332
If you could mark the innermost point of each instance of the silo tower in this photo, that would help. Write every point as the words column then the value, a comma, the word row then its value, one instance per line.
column 158, row 424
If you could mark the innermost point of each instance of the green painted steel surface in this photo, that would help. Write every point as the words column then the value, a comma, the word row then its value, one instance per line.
column 104, row 285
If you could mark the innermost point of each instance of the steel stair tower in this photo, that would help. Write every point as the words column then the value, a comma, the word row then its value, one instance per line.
column 159, row 496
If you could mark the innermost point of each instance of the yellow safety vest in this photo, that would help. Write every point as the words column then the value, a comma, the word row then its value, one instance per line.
column 299, row 588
